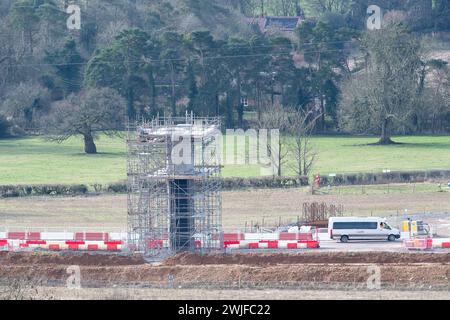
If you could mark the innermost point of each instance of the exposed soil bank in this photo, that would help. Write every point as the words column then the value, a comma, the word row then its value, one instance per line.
column 220, row 270
column 68, row 258
column 253, row 259
column 308, row 257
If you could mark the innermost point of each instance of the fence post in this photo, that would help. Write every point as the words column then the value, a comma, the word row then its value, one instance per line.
column 397, row 220
column 239, row 282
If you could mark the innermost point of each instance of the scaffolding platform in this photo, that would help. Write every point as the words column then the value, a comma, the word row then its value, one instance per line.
column 174, row 181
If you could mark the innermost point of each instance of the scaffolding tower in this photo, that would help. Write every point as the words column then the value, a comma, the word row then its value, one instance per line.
column 174, row 199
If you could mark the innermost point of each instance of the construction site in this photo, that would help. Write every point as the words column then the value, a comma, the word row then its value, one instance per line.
column 174, row 201
column 175, row 241
column 225, row 149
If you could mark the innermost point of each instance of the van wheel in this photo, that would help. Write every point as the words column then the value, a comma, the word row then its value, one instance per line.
column 391, row 237
column 344, row 239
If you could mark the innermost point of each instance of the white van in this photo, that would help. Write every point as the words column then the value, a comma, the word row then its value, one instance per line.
column 361, row 228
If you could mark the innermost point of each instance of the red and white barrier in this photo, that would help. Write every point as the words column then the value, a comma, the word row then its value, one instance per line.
column 102, row 241
column 4, row 245
column 441, row 243
column 261, row 236
column 233, row 236
column 417, row 243
column 22, row 235
column 67, row 236
column 57, row 236
column 274, row 244
column 91, row 236
column 268, row 236
column 79, row 241
column 282, row 240
column 72, row 245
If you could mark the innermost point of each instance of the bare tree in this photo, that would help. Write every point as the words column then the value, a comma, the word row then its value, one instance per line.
column 301, row 126
column 284, row 7
column 295, row 127
column 324, row 6
column 276, row 118
column 87, row 114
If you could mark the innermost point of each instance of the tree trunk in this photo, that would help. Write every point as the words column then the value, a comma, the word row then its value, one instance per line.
column 173, row 98
column 385, row 136
column 279, row 157
column 240, row 106
column 217, row 101
column 322, row 117
column 89, row 145
column 130, row 104
column 240, row 112
column 258, row 101
column 153, row 90
column 229, row 113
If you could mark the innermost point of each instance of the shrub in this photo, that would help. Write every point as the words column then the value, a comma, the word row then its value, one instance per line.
column 381, row 178
column 97, row 187
column 4, row 127
column 231, row 183
column 119, row 187
column 40, row 190
column 351, row 179
column 236, row 183
column 78, row 189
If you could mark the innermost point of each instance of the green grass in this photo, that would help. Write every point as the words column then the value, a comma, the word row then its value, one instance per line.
column 34, row 160
column 353, row 154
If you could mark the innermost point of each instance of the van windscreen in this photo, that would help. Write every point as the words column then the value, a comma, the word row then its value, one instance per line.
column 355, row 225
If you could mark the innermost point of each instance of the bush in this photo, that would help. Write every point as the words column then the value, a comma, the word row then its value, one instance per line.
column 236, row 183
column 97, row 187
column 78, row 189
column 42, row 190
column 4, row 127
column 120, row 187
column 382, row 178
column 233, row 183
column 14, row 191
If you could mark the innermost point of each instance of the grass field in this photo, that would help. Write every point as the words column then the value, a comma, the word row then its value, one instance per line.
column 37, row 161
